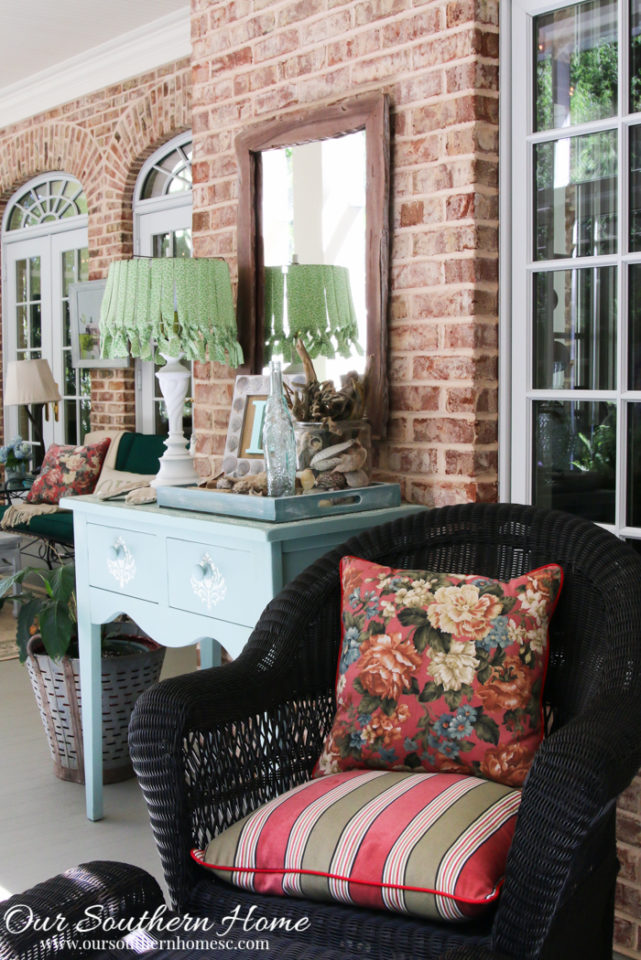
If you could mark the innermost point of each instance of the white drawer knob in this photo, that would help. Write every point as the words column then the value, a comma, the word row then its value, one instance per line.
column 202, row 570
column 120, row 562
column 207, row 582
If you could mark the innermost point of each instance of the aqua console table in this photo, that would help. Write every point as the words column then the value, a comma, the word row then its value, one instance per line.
column 183, row 577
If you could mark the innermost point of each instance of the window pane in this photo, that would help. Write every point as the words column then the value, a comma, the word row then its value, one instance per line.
column 634, row 465
column 34, row 278
column 21, row 281
column 70, row 375
column 68, row 270
column 634, row 334
column 574, row 455
column 22, row 328
column 182, row 243
column 83, row 270
column 635, row 56
column 576, row 64
column 576, row 196
column 635, row 188
column 575, row 329
column 35, row 335
column 162, row 245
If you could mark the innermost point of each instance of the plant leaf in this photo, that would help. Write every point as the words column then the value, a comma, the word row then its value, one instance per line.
column 421, row 638
column 56, row 628
column 388, row 706
column 484, row 674
column 493, row 588
column 453, row 698
column 27, row 615
column 487, row 729
column 438, row 641
column 431, row 691
column 412, row 617
column 508, row 603
column 376, row 627
column 369, row 704
column 413, row 689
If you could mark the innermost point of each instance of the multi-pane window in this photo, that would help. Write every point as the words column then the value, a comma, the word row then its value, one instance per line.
column 45, row 249
column 162, row 228
column 576, row 307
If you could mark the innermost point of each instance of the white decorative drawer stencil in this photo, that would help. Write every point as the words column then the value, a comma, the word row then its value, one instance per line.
column 207, row 582
column 124, row 561
column 212, row 579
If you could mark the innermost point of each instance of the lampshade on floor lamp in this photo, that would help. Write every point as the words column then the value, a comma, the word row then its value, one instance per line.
column 165, row 310
column 27, row 383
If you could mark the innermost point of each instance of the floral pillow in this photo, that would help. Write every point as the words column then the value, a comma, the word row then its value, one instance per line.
column 68, row 471
column 440, row 672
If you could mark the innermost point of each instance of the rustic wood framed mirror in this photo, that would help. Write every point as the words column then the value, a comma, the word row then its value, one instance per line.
column 369, row 114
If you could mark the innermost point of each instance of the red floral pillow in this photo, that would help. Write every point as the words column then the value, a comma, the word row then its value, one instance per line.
column 68, row 471
column 440, row 672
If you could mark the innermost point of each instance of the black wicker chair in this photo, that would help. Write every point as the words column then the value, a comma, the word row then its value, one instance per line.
column 211, row 746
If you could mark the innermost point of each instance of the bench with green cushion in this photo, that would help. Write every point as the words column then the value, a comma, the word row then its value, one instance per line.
column 137, row 453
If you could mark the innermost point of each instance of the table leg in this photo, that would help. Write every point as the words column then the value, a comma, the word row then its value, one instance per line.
column 91, row 693
column 209, row 653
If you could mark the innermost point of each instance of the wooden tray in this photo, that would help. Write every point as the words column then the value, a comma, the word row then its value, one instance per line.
column 280, row 509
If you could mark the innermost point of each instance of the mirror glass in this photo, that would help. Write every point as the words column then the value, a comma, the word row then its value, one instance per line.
column 313, row 212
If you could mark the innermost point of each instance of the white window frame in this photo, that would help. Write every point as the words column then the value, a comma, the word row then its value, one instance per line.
column 518, row 265
column 155, row 215
column 48, row 241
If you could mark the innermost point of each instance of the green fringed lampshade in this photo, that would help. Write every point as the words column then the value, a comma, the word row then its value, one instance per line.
column 169, row 306
column 319, row 311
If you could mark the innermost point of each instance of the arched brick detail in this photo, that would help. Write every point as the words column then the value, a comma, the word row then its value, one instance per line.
column 162, row 113
column 46, row 147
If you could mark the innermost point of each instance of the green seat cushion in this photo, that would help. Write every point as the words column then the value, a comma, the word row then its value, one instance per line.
column 140, row 452
column 58, row 526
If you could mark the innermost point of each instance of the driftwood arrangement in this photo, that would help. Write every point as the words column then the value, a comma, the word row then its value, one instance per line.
column 320, row 400
column 332, row 437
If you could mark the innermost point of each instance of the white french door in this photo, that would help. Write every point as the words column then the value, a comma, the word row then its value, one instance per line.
column 37, row 274
column 576, row 259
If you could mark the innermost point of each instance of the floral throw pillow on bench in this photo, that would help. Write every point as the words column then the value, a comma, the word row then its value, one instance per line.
column 440, row 672
column 68, row 471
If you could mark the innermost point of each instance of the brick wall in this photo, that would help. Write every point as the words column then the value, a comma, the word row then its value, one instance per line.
column 103, row 140
column 438, row 61
column 627, row 924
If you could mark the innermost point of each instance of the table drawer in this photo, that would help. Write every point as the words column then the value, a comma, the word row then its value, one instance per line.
column 214, row 580
column 124, row 561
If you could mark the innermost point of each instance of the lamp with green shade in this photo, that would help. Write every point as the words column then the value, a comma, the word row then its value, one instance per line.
column 313, row 302
column 165, row 310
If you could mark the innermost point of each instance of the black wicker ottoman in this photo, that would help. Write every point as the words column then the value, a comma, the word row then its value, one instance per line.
column 91, row 912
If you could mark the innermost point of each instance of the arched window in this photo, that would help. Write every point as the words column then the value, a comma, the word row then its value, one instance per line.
column 45, row 250
column 162, row 228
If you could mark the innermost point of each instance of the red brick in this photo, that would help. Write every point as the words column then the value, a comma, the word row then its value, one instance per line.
column 441, row 429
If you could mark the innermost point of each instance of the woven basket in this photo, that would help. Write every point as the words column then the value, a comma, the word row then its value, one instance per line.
column 56, row 685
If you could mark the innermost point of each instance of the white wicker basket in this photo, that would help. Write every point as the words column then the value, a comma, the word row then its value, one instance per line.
column 56, row 685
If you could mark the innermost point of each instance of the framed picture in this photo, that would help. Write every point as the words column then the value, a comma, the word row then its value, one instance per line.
column 84, row 314
column 243, row 449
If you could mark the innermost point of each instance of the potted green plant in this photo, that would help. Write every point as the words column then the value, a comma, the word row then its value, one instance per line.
column 47, row 638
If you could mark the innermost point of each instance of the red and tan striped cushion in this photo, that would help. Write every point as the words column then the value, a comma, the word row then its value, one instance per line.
column 428, row 844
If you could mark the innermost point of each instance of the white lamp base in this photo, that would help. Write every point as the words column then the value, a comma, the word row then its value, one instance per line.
column 176, row 463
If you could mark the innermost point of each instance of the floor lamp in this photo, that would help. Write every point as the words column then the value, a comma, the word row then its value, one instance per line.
column 30, row 383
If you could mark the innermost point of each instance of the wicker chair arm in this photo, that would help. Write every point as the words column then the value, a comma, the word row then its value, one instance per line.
column 568, row 800
column 118, row 889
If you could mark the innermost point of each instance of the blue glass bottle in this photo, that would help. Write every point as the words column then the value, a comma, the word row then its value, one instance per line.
column 279, row 444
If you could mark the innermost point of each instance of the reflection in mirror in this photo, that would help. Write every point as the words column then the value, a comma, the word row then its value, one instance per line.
column 315, row 184
column 313, row 212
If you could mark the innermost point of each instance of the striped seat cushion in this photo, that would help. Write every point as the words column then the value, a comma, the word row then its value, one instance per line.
column 428, row 844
